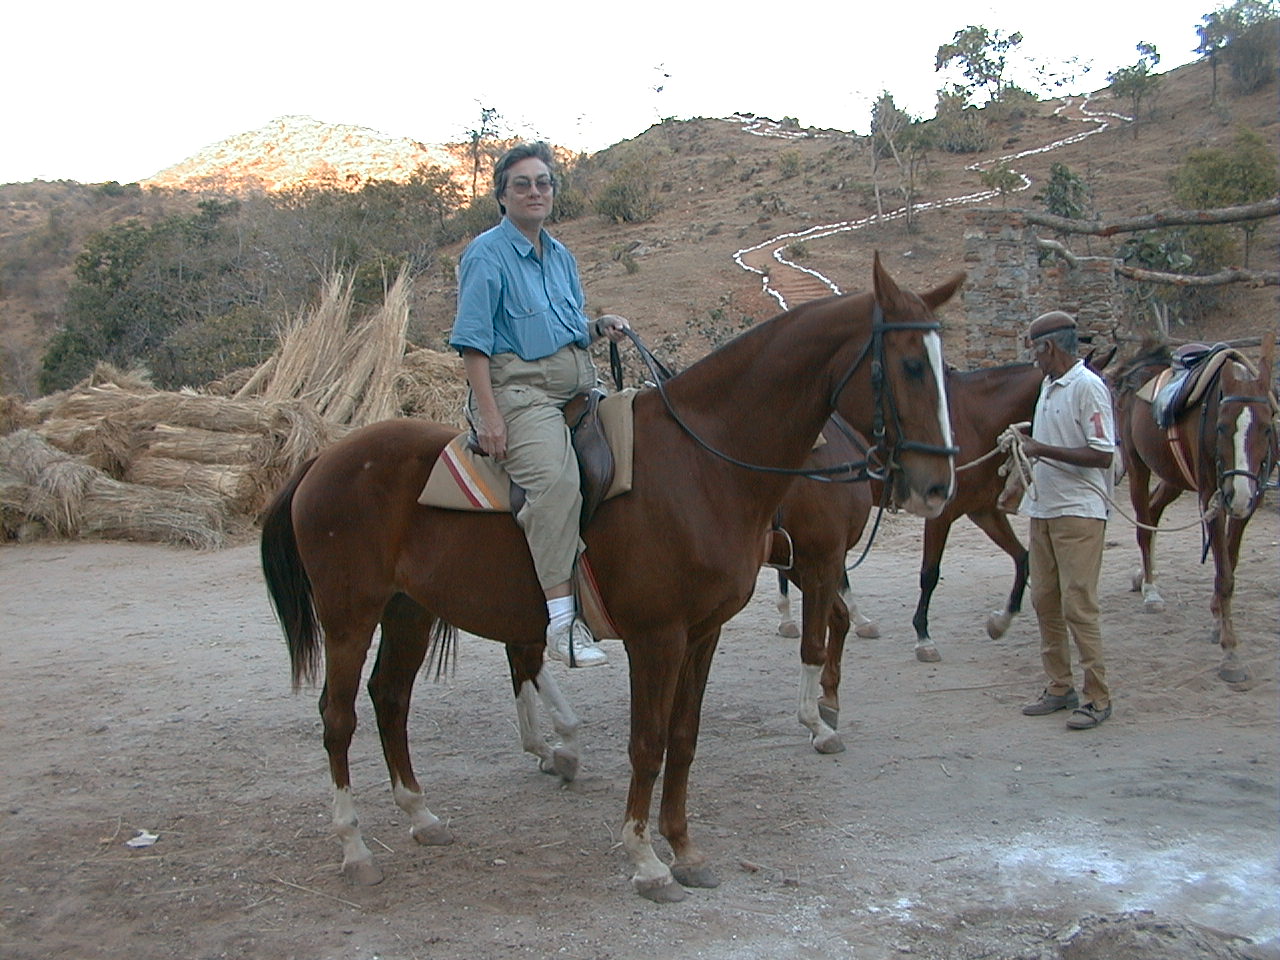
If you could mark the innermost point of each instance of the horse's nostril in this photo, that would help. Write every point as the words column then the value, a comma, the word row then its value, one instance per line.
column 938, row 491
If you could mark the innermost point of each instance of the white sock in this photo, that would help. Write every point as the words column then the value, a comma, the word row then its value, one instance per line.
column 559, row 612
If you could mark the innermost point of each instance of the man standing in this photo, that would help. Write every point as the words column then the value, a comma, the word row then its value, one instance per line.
column 1071, row 445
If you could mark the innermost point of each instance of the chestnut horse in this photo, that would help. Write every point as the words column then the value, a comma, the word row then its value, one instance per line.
column 825, row 520
column 819, row 523
column 1223, row 448
column 347, row 547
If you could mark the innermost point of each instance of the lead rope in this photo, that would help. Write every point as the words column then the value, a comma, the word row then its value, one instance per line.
column 1010, row 441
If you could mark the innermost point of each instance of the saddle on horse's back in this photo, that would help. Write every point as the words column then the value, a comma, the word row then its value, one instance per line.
column 463, row 478
column 1183, row 384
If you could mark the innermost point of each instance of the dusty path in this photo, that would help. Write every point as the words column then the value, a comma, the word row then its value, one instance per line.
column 791, row 284
column 146, row 688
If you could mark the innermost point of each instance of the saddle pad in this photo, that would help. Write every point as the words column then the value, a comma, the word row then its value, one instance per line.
column 1202, row 375
column 463, row 480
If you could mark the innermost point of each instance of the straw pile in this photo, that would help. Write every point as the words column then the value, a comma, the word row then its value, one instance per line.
column 43, row 487
column 114, row 439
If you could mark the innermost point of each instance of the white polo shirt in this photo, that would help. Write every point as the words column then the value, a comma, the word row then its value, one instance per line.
column 1073, row 411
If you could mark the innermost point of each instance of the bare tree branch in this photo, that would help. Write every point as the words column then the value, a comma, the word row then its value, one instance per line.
column 1262, row 278
column 1169, row 218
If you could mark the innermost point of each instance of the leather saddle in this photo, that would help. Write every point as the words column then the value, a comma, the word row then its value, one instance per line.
column 595, row 456
column 1194, row 367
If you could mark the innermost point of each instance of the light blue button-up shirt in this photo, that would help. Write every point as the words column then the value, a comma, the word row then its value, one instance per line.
column 509, row 301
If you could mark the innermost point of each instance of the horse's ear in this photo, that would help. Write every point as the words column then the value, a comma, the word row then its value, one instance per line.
column 1267, row 361
column 887, row 293
column 943, row 292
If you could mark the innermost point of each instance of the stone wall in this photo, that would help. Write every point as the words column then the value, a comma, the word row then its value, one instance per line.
column 1008, row 287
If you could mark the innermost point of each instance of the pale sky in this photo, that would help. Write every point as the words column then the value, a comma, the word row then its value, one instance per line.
column 121, row 90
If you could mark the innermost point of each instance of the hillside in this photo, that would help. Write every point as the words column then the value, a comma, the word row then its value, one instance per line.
column 295, row 151
column 724, row 186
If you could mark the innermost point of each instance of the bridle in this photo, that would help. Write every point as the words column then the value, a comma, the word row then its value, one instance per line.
column 879, row 461
column 1265, row 467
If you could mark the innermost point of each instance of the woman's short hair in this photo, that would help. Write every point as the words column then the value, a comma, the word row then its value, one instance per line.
column 521, row 151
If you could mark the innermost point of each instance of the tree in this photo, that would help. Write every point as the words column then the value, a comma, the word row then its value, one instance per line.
column 1243, row 173
column 1213, row 37
column 1248, row 42
column 486, row 129
column 1066, row 194
column 981, row 54
column 1003, row 179
column 897, row 135
column 1137, row 82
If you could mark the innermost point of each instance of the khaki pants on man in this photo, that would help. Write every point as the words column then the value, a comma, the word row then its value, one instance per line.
column 531, row 395
column 1066, row 559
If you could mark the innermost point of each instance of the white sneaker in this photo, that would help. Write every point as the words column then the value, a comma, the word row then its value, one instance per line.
column 585, row 651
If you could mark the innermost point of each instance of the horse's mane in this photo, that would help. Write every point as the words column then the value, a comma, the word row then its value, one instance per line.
column 1134, row 372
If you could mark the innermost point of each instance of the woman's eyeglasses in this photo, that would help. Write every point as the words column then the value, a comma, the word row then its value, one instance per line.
column 525, row 185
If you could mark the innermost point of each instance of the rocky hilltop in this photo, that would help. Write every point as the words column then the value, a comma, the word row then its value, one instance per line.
column 294, row 151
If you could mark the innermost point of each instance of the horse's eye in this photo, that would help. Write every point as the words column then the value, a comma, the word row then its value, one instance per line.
column 914, row 367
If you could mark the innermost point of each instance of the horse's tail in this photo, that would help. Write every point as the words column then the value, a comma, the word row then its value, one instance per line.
column 288, row 584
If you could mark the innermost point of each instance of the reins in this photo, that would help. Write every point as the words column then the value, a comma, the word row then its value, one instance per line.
column 852, row 471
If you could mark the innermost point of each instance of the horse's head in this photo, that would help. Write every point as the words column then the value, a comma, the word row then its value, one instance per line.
column 1244, row 440
column 908, row 379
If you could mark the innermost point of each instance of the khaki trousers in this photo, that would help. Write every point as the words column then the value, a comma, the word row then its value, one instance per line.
column 531, row 395
column 1066, row 559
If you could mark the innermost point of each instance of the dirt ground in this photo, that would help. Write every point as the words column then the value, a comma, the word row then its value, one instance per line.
column 146, row 689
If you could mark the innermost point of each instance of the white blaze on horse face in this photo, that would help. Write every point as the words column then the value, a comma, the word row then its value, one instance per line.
column 933, row 345
column 1242, row 492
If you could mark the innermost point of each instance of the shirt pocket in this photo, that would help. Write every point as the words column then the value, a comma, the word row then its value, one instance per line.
column 530, row 333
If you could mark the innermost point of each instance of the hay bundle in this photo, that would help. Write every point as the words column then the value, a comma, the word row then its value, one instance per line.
column 235, row 484
column 14, row 415
column 203, row 446
column 433, row 386
column 66, row 433
column 207, row 413
column 39, row 483
column 88, row 403
column 311, row 347
column 365, row 393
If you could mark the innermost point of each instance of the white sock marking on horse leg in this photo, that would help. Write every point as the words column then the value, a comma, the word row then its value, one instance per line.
column 347, row 826
column 527, row 719
column 810, row 687
column 563, row 719
column 649, row 869
column 413, row 804
column 784, row 612
column 933, row 346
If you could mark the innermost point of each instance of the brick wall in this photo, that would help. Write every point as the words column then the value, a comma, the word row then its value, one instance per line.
column 1008, row 288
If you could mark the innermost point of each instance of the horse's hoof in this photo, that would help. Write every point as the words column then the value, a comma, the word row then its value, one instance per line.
column 928, row 653
column 829, row 744
column 662, row 890
column 1135, row 583
column 998, row 624
column 867, row 631
column 830, row 715
column 788, row 629
column 362, row 873
column 702, row 876
column 1233, row 673
column 1153, row 606
column 436, row 835
column 566, row 765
